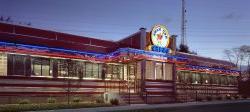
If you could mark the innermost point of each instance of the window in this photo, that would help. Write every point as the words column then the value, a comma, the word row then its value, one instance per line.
column 116, row 71
column 88, row 70
column 216, row 79
column 18, row 65
column 80, row 69
column 40, row 66
column 149, row 70
column 205, row 79
column 93, row 70
column 179, row 77
column 62, row 68
column 74, row 67
column 233, row 80
column 168, row 68
column 159, row 71
column 188, row 77
column 196, row 78
column 224, row 80
column 3, row 64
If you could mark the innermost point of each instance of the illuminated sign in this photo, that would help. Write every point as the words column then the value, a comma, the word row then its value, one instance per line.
column 160, row 39
column 160, row 36
column 159, row 49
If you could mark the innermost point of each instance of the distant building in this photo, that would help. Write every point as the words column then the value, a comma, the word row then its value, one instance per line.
column 141, row 68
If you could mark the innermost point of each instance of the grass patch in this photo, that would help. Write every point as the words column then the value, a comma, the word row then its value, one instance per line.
column 47, row 106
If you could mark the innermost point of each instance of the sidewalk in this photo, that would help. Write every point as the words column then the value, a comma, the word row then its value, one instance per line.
column 143, row 106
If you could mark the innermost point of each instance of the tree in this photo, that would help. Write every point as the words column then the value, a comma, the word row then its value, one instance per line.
column 72, row 69
column 246, row 53
column 10, row 20
column 239, row 56
column 184, row 48
column 234, row 55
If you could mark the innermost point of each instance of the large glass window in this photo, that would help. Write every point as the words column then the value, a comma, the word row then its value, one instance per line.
column 196, row 78
column 18, row 65
column 216, row 79
column 159, row 71
column 89, row 70
column 235, row 80
column 80, row 69
column 206, row 79
column 168, row 70
column 179, row 77
column 93, row 70
column 3, row 64
column 40, row 66
column 150, row 70
column 224, row 80
column 62, row 68
column 116, row 71
column 188, row 77
column 230, row 80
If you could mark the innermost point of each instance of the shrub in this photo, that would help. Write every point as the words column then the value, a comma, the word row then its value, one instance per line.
column 244, row 96
column 46, row 106
column 51, row 100
column 236, row 97
column 219, row 98
column 209, row 98
column 24, row 101
column 114, row 102
column 76, row 99
column 99, row 100
column 228, row 97
column 199, row 98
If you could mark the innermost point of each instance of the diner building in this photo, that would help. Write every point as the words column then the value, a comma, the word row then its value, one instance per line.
column 144, row 67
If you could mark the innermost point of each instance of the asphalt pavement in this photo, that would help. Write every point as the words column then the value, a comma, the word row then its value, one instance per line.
column 145, row 106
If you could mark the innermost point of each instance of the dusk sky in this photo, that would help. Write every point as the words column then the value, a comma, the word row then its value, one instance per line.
column 213, row 25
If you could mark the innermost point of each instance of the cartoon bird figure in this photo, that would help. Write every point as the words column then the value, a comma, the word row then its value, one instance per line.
column 159, row 38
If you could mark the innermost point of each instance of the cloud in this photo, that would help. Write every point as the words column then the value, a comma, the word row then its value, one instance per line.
column 168, row 20
column 231, row 16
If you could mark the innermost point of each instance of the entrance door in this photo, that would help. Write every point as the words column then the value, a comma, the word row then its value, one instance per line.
column 159, row 75
column 131, row 77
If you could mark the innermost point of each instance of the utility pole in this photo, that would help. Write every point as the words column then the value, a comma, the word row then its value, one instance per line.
column 183, row 23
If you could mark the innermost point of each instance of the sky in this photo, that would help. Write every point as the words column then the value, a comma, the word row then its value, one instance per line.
column 212, row 25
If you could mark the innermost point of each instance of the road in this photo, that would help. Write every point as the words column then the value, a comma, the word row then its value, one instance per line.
column 215, row 106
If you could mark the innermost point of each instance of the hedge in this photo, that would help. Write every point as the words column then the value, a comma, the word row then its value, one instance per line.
column 46, row 106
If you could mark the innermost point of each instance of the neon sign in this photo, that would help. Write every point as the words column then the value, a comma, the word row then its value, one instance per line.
column 159, row 49
column 160, row 39
column 160, row 36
